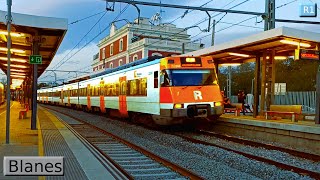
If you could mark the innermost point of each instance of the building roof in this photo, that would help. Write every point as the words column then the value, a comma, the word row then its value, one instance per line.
column 51, row 32
column 257, row 43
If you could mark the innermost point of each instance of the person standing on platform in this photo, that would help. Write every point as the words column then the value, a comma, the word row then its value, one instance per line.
column 241, row 99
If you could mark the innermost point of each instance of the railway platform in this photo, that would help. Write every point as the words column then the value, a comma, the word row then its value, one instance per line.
column 302, row 135
column 52, row 138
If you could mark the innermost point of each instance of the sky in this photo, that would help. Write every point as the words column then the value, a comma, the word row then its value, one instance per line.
column 80, row 42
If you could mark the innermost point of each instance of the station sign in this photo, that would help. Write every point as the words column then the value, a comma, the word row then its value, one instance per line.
column 191, row 62
column 306, row 54
column 308, row 10
column 35, row 59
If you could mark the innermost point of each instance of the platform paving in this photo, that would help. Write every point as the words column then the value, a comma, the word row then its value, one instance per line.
column 23, row 140
column 305, row 126
column 51, row 138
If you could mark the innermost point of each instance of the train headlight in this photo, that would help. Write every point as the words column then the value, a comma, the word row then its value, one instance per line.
column 217, row 104
column 178, row 106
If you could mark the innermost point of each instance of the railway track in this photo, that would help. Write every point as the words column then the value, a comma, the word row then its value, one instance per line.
column 136, row 162
column 300, row 154
column 281, row 165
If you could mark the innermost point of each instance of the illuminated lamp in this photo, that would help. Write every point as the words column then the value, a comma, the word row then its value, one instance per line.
column 238, row 54
column 230, row 64
column 12, row 50
column 295, row 43
column 190, row 60
column 178, row 106
column 217, row 103
column 17, row 70
column 278, row 57
column 18, row 76
column 13, row 34
column 15, row 73
column 17, row 66
column 14, row 59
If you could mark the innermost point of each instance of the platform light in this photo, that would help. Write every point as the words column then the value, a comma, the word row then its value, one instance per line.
column 12, row 50
column 17, row 70
column 295, row 43
column 17, row 66
column 238, row 54
column 14, row 59
column 15, row 73
column 13, row 34
column 18, row 76
column 230, row 64
column 279, row 57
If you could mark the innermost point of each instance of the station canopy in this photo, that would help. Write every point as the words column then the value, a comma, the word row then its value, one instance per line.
column 48, row 31
column 284, row 41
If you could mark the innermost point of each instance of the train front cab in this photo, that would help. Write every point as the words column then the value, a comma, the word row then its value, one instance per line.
column 188, row 90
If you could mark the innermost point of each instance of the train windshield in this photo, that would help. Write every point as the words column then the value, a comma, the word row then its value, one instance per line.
column 192, row 77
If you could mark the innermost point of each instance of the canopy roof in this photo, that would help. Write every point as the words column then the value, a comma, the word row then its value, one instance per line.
column 24, row 30
column 257, row 43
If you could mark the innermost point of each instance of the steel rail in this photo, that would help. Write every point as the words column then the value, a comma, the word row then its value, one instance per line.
column 295, row 169
column 182, row 171
column 305, row 155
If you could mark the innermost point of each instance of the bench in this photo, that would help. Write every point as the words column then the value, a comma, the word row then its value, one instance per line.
column 237, row 109
column 23, row 112
column 292, row 110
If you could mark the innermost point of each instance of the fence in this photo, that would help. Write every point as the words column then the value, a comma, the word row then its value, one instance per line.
column 306, row 99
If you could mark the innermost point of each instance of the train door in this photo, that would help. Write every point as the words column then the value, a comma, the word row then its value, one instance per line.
column 88, row 96
column 61, row 96
column 102, row 103
column 47, row 97
column 69, row 94
column 122, row 97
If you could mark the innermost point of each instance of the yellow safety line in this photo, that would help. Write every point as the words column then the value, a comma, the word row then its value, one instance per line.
column 40, row 144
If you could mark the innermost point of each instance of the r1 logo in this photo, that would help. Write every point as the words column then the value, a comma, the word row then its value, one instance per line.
column 308, row 10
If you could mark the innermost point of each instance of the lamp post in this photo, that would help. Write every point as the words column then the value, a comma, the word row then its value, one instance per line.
column 9, row 3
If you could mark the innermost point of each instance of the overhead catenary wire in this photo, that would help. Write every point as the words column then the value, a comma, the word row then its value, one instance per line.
column 62, row 62
column 203, row 20
column 174, row 35
column 235, row 24
column 95, row 36
column 183, row 14
column 76, row 21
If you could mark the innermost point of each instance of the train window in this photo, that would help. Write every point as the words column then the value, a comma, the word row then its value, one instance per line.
column 123, row 88
column 137, row 87
column 155, row 79
column 117, row 89
column 143, row 87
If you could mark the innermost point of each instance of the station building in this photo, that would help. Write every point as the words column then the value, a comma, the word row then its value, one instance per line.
column 135, row 41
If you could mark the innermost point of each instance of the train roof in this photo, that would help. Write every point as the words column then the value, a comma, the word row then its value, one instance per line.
column 125, row 66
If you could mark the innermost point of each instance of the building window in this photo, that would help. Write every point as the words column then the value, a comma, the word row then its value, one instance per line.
column 111, row 49
column 135, row 57
column 120, row 62
column 111, row 65
column 121, row 45
column 103, row 53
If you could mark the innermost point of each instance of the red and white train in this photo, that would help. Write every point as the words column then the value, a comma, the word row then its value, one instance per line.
column 170, row 90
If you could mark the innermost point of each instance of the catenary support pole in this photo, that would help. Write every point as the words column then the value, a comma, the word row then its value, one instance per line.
column 9, row 3
column 213, row 32
column 317, row 120
column 256, row 86
column 34, row 86
column 183, row 48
